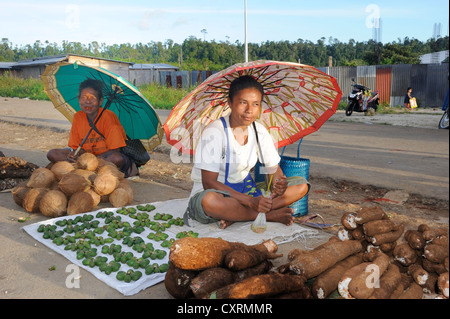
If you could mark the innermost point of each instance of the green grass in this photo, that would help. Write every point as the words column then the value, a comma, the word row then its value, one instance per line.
column 11, row 86
column 161, row 97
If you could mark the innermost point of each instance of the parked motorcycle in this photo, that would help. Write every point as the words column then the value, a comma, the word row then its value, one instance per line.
column 361, row 99
column 444, row 122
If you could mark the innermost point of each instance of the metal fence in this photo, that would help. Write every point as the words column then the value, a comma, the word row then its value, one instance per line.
column 428, row 81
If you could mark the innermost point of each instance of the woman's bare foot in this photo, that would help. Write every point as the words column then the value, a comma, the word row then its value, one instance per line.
column 225, row 223
column 282, row 215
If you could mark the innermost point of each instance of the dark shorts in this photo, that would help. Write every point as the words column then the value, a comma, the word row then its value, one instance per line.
column 195, row 208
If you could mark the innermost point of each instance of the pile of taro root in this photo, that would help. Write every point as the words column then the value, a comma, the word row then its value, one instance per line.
column 371, row 257
column 73, row 188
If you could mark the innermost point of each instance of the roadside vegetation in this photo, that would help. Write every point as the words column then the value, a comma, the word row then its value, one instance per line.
column 159, row 97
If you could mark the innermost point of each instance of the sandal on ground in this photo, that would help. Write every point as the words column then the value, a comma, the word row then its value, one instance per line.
column 306, row 220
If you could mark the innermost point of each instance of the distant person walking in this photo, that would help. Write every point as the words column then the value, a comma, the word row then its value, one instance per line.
column 408, row 98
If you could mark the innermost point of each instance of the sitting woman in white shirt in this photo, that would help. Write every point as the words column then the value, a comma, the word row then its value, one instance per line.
column 223, row 188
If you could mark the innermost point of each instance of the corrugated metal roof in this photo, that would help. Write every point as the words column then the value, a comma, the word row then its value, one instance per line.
column 6, row 65
column 155, row 66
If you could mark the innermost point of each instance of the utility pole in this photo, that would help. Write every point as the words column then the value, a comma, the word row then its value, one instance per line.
column 245, row 22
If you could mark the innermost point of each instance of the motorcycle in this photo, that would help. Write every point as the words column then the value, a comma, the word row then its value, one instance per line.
column 444, row 122
column 361, row 99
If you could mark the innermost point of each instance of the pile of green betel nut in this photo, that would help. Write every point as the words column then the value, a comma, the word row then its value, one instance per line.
column 82, row 234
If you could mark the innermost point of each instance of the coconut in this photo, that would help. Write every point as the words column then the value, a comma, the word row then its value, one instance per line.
column 112, row 170
column 96, row 197
column 32, row 199
column 87, row 161
column 105, row 184
column 80, row 202
column 73, row 183
column 19, row 192
column 89, row 175
column 41, row 178
column 119, row 197
column 125, row 184
column 61, row 168
column 53, row 204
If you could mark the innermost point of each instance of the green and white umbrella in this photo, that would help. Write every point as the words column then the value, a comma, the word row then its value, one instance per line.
column 135, row 113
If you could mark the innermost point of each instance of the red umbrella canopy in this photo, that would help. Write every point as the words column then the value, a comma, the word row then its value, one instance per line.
column 297, row 100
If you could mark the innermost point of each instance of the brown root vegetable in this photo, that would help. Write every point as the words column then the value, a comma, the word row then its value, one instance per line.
column 441, row 240
column 87, row 161
column 435, row 253
column 388, row 247
column 210, row 280
column 388, row 283
column 317, row 261
column 357, row 233
column 53, row 204
column 423, row 227
column 105, row 184
column 33, row 198
column 368, row 214
column 446, row 263
column 433, row 267
column 19, row 192
column 303, row 293
column 380, row 239
column 415, row 239
column 41, row 178
column 72, row 183
column 201, row 253
column 61, row 168
column 344, row 234
column 177, row 282
column 79, row 203
column 413, row 292
column 246, row 257
column 260, row 269
column 347, row 278
column 260, row 286
column 363, row 285
column 348, row 221
column 375, row 227
column 443, row 284
column 432, row 233
column 404, row 254
column 328, row 281
column 419, row 274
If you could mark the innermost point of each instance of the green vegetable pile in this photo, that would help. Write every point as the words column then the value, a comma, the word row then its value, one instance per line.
column 113, row 244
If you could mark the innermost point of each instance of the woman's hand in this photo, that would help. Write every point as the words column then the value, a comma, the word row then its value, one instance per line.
column 262, row 204
column 279, row 186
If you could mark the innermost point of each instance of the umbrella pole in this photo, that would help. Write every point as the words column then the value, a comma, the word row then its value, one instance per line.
column 108, row 103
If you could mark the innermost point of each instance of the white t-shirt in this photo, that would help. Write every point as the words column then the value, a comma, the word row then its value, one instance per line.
column 210, row 153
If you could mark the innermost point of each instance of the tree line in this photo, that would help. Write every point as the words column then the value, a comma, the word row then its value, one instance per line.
column 198, row 54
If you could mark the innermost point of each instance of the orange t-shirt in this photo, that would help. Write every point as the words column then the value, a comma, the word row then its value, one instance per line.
column 108, row 125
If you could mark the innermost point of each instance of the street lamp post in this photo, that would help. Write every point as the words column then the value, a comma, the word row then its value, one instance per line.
column 245, row 22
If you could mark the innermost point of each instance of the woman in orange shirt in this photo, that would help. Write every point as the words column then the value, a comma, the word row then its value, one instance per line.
column 105, row 141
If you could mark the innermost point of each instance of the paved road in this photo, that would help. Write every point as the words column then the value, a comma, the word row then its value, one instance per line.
column 407, row 158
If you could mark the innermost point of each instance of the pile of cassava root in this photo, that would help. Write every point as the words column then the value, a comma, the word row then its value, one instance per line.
column 388, row 265
column 213, row 268
column 73, row 188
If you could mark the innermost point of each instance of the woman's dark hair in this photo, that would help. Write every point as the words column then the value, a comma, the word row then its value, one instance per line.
column 242, row 83
column 96, row 85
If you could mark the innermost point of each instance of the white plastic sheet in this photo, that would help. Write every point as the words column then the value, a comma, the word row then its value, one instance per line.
column 237, row 232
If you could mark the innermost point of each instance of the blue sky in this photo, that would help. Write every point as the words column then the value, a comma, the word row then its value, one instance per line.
column 134, row 21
